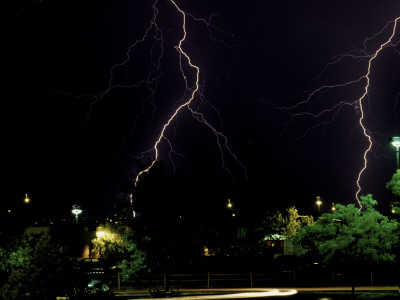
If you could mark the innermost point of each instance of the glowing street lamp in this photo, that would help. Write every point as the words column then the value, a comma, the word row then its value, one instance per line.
column 229, row 203
column 396, row 143
column 230, row 206
column 76, row 210
column 318, row 202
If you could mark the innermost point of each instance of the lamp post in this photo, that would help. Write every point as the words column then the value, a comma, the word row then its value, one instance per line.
column 76, row 210
column 396, row 143
column 318, row 202
column 229, row 205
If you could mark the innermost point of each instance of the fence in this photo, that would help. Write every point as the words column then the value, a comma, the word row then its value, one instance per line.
column 206, row 280
column 288, row 278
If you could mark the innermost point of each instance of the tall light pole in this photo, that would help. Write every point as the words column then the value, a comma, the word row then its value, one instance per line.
column 396, row 142
column 76, row 210
column 230, row 206
column 318, row 202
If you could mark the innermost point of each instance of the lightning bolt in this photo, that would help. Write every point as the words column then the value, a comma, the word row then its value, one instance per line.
column 189, row 72
column 362, row 82
column 180, row 107
column 184, row 56
column 360, row 101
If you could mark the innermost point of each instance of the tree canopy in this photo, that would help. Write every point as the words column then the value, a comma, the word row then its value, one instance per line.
column 34, row 265
column 115, row 243
column 289, row 223
column 394, row 183
column 351, row 236
column 394, row 186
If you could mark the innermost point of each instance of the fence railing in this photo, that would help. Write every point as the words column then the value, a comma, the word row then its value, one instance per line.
column 289, row 278
column 204, row 280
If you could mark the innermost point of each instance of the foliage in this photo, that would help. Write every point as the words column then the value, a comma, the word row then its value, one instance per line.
column 395, row 207
column 394, row 183
column 250, row 242
column 170, row 245
column 394, row 186
column 350, row 235
column 134, row 260
column 35, row 265
column 115, row 243
column 288, row 224
column 108, row 243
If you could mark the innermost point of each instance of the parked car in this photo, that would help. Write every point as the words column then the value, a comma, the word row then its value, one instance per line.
column 92, row 287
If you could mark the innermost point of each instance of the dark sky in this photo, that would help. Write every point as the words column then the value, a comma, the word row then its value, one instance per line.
column 71, row 134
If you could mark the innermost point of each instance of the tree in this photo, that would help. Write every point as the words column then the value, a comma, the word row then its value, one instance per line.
column 109, row 243
column 134, row 260
column 394, row 183
column 115, row 243
column 289, row 224
column 350, row 236
column 394, row 186
column 34, row 266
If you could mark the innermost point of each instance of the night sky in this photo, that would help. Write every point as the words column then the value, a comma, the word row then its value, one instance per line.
column 86, row 92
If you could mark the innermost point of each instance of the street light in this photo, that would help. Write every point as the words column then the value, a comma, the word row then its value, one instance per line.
column 230, row 206
column 76, row 210
column 396, row 143
column 318, row 202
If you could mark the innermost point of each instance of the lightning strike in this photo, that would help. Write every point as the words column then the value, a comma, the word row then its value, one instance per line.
column 358, row 103
column 197, row 115
column 189, row 72
column 186, row 104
